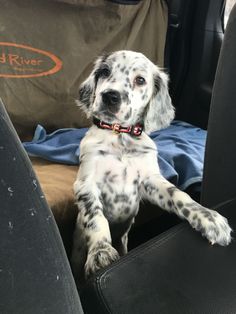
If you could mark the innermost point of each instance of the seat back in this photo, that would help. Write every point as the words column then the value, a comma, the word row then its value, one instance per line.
column 35, row 272
column 219, row 180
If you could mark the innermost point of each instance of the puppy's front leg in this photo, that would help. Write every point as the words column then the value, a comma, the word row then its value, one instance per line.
column 210, row 223
column 96, row 233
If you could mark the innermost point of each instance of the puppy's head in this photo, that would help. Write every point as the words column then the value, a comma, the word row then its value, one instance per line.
column 127, row 88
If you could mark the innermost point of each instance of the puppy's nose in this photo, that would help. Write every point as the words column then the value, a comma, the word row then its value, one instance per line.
column 111, row 98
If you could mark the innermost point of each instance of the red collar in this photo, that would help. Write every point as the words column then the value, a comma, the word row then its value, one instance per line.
column 134, row 130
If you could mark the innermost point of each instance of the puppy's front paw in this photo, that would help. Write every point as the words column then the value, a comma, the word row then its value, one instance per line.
column 100, row 256
column 213, row 226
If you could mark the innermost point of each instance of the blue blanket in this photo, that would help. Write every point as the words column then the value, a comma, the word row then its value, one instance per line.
column 181, row 149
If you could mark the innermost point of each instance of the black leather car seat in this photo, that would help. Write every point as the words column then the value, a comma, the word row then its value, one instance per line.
column 219, row 182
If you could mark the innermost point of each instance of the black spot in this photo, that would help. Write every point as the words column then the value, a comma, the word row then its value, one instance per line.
column 118, row 158
column 148, row 148
column 144, row 96
column 171, row 190
column 207, row 215
column 102, row 152
column 92, row 225
column 180, row 204
column 199, row 224
column 110, row 188
column 106, row 201
column 121, row 198
column 124, row 173
column 83, row 179
column 123, row 69
column 112, row 178
column 186, row 212
column 85, row 93
column 128, row 114
column 108, row 179
column 160, row 196
column 103, row 196
column 127, row 210
column 157, row 84
column 104, row 71
column 86, row 199
column 125, row 96
column 134, row 152
column 193, row 206
column 93, row 213
column 127, row 72
column 169, row 203
column 150, row 188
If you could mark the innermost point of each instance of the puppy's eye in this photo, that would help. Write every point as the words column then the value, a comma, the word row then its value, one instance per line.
column 139, row 80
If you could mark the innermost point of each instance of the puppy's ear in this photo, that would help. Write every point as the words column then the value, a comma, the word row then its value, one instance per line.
column 160, row 111
column 87, row 89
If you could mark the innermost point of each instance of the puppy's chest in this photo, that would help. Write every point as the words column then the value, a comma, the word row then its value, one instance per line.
column 119, row 178
column 119, row 184
column 118, row 165
column 121, row 164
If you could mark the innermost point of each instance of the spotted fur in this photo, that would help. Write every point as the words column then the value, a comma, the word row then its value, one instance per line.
column 118, row 170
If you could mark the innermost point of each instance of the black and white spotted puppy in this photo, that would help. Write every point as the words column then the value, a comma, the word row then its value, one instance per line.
column 125, row 94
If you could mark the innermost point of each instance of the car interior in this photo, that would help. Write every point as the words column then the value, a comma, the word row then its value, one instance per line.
column 47, row 49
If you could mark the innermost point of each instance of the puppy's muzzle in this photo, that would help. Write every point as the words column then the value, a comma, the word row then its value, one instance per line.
column 111, row 100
